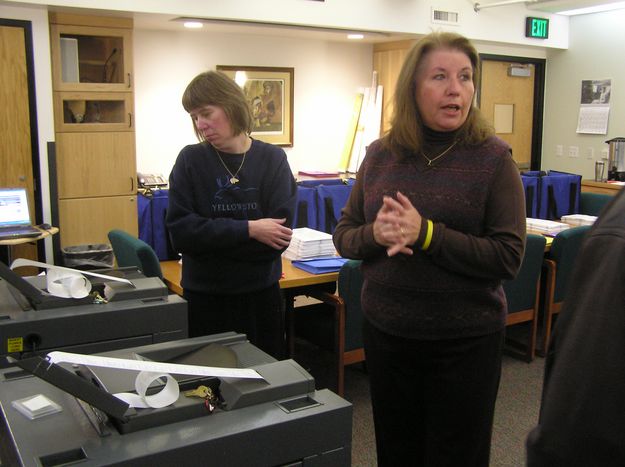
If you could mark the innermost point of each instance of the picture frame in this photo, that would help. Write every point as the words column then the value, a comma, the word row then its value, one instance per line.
column 269, row 92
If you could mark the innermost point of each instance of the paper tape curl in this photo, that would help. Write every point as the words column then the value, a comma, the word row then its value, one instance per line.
column 66, row 282
column 166, row 396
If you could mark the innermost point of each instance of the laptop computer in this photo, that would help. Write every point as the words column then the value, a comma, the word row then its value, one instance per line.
column 15, row 215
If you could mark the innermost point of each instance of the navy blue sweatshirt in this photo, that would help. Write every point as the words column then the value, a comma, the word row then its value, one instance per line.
column 208, row 216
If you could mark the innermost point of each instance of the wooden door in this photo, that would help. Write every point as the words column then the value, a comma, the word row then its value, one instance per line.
column 16, row 168
column 507, row 101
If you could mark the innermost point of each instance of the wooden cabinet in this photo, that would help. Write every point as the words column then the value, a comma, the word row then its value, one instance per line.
column 93, row 120
column 99, row 159
column 93, row 111
column 103, row 214
column 89, row 57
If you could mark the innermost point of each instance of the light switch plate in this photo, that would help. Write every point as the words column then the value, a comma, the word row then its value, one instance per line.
column 559, row 150
column 590, row 153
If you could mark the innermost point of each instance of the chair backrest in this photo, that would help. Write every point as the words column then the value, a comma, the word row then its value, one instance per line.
column 564, row 251
column 593, row 203
column 132, row 251
column 349, row 288
column 521, row 291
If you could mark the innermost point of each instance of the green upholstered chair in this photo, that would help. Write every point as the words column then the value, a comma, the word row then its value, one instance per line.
column 523, row 296
column 132, row 251
column 559, row 264
column 593, row 203
column 336, row 324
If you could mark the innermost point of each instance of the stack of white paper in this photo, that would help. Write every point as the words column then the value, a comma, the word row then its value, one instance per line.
column 579, row 219
column 308, row 243
column 546, row 226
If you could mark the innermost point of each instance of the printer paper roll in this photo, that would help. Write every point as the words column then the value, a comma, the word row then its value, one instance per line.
column 166, row 396
column 66, row 282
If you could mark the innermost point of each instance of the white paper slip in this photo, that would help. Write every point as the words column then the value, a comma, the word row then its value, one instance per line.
column 155, row 367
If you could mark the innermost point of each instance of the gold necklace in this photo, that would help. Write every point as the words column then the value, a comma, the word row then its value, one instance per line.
column 430, row 161
column 233, row 176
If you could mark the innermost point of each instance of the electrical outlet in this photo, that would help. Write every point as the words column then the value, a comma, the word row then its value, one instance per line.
column 573, row 151
column 604, row 153
column 559, row 150
column 590, row 153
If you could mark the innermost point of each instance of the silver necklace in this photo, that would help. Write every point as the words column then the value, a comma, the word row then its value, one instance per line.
column 233, row 176
column 430, row 161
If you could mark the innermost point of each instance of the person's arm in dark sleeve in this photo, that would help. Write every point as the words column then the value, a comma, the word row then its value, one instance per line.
column 280, row 197
column 353, row 236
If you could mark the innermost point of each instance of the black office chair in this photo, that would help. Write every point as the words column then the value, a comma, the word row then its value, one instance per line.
column 132, row 251
column 523, row 294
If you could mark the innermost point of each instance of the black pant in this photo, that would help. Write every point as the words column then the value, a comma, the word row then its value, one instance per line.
column 433, row 401
column 259, row 315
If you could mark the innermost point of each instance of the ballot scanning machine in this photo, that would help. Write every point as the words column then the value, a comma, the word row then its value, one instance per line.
column 278, row 420
column 33, row 321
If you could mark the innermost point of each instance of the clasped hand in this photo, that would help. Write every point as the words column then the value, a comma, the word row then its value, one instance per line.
column 397, row 225
column 270, row 232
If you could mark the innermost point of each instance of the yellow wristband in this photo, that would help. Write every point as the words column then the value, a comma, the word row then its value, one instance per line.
column 428, row 236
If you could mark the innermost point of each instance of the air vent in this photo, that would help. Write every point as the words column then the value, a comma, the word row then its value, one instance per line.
column 445, row 17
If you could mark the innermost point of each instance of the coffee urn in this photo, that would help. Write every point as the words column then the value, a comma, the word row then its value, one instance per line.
column 616, row 159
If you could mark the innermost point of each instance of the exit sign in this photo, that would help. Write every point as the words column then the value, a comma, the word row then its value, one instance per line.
column 537, row 28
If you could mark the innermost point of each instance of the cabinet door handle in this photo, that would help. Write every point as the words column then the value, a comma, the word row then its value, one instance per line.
column 132, row 184
column 129, row 120
column 129, row 81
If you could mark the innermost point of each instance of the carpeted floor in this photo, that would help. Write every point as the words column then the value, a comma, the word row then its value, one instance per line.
column 516, row 411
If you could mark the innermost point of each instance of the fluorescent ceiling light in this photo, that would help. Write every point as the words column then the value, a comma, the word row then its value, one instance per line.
column 593, row 9
column 193, row 24
column 355, row 36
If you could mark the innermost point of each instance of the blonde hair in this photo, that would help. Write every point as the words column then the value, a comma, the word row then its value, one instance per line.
column 406, row 131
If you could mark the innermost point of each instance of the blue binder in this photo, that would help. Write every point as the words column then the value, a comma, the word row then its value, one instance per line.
column 320, row 265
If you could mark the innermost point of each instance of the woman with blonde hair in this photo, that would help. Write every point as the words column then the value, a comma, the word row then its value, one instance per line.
column 437, row 214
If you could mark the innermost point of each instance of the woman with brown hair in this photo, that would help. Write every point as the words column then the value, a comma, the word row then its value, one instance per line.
column 231, row 206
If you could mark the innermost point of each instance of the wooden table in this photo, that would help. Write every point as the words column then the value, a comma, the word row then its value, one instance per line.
column 600, row 187
column 20, row 241
column 292, row 277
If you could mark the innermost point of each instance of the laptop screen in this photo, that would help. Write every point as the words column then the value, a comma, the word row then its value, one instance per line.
column 13, row 207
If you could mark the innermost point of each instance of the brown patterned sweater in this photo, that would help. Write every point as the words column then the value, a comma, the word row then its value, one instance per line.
column 474, row 197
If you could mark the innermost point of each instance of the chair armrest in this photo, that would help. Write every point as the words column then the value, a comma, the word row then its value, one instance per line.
column 550, row 279
column 327, row 298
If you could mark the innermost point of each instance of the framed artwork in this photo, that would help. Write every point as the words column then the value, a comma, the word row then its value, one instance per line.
column 269, row 93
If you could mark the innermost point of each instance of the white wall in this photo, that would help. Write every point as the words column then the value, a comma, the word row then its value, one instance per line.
column 596, row 52
column 327, row 76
